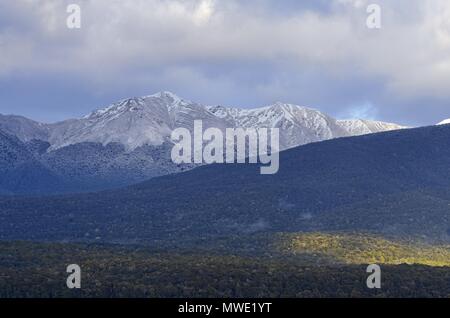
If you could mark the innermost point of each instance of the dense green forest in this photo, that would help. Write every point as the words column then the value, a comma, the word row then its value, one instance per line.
column 39, row 270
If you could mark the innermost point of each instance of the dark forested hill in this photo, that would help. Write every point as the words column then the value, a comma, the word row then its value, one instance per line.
column 20, row 172
column 395, row 183
column 27, row 168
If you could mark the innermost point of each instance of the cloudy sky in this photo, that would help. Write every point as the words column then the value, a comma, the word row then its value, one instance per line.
column 314, row 53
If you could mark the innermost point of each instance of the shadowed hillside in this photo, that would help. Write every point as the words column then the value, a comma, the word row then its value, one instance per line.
column 396, row 184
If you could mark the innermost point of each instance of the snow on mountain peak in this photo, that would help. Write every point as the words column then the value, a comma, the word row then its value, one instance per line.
column 167, row 95
column 149, row 120
column 361, row 126
column 444, row 122
column 139, row 103
column 171, row 99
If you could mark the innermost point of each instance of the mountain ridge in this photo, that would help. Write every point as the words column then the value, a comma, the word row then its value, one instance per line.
column 129, row 141
column 149, row 120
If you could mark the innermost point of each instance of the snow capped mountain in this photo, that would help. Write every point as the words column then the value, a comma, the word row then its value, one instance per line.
column 134, row 122
column 149, row 120
column 129, row 141
column 357, row 127
column 131, row 122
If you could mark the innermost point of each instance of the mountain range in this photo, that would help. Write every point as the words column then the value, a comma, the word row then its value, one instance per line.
column 129, row 141
column 333, row 207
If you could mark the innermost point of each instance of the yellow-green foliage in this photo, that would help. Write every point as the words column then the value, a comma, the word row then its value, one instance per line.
column 366, row 249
